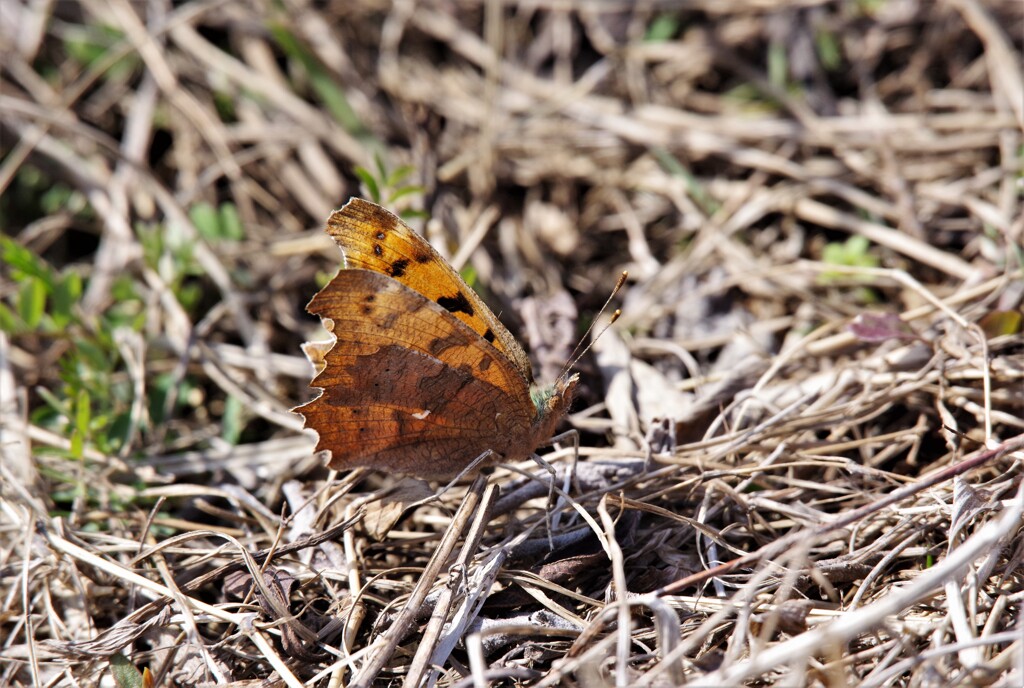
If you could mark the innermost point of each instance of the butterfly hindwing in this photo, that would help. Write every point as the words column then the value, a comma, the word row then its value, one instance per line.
column 409, row 387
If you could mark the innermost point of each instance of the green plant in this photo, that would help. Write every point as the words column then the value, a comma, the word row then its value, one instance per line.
column 45, row 299
column 855, row 252
column 387, row 187
column 320, row 80
column 663, row 27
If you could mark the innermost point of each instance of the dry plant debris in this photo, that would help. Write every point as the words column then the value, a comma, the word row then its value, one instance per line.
column 800, row 446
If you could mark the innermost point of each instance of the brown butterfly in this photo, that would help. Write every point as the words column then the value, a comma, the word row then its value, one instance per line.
column 422, row 377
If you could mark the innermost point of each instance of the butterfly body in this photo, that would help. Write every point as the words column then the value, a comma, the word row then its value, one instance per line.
column 422, row 378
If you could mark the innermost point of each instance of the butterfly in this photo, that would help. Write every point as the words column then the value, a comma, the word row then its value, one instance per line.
column 422, row 378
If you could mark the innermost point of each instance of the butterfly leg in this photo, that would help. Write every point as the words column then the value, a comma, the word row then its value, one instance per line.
column 554, row 510
column 551, row 515
column 573, row 435
column 484, row 459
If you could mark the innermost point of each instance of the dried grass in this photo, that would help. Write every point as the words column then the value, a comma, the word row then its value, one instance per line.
column 800, row 455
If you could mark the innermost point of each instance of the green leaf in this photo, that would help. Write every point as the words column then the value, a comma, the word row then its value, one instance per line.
column 399, row 175
column 469, row 276
column 59, row 406
column 231, row 222
column 663, row 28
column 777, row 65
column 206, row 220
column 855, row 252
column 83, row 411
column 336, row 102
column 382, row 169
column 89, row 46
column 189, row 294
column 159, row 390
column 66, row 294
column 126, row 674
column 9, row 322
column 77, row 445
column 151, row 237
column 372, row 188
column 23, row 262
column 857, row 247
column 116, row 433
column 321, row 278
column 231, row 429
column 332, row 96
column 92, row 357
column 409, row 215
column 405, row 191
column 60, row 197
column 871, row 7
column 217, row 224
column 829, row 50
column 124, row 288
column 694, row 189
column 224, row 103
column 752, row 98
column 32, row 302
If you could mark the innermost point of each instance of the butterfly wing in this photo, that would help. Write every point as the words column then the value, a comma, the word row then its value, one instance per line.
column 374, row 239
column 408, row 387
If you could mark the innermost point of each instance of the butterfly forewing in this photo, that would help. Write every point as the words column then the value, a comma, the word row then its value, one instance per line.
column 374, row 239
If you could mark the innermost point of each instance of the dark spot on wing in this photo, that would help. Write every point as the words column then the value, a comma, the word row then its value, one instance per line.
column 397, row 268
column 485, row 363
column 423, row 257
column 439, row 345
column 378, row 250
column 366, row 308
column 386, row 321
column 455, row 379
column 456, row 304
column 380, row 236
column 488, row 335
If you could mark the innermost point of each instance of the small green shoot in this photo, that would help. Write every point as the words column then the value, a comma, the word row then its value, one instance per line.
column 232, row 423
column 778, row 65
column 320, row 79
column 663, row 28
column 90, row 46
column 855, row 252
column 830, row 52
column 217, row 224
column 694, row 190
column 386, row 187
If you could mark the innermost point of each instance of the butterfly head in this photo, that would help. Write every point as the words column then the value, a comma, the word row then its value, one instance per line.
column 553, row 401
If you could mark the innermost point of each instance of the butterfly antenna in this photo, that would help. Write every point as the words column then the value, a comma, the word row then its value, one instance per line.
column 576, row 355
